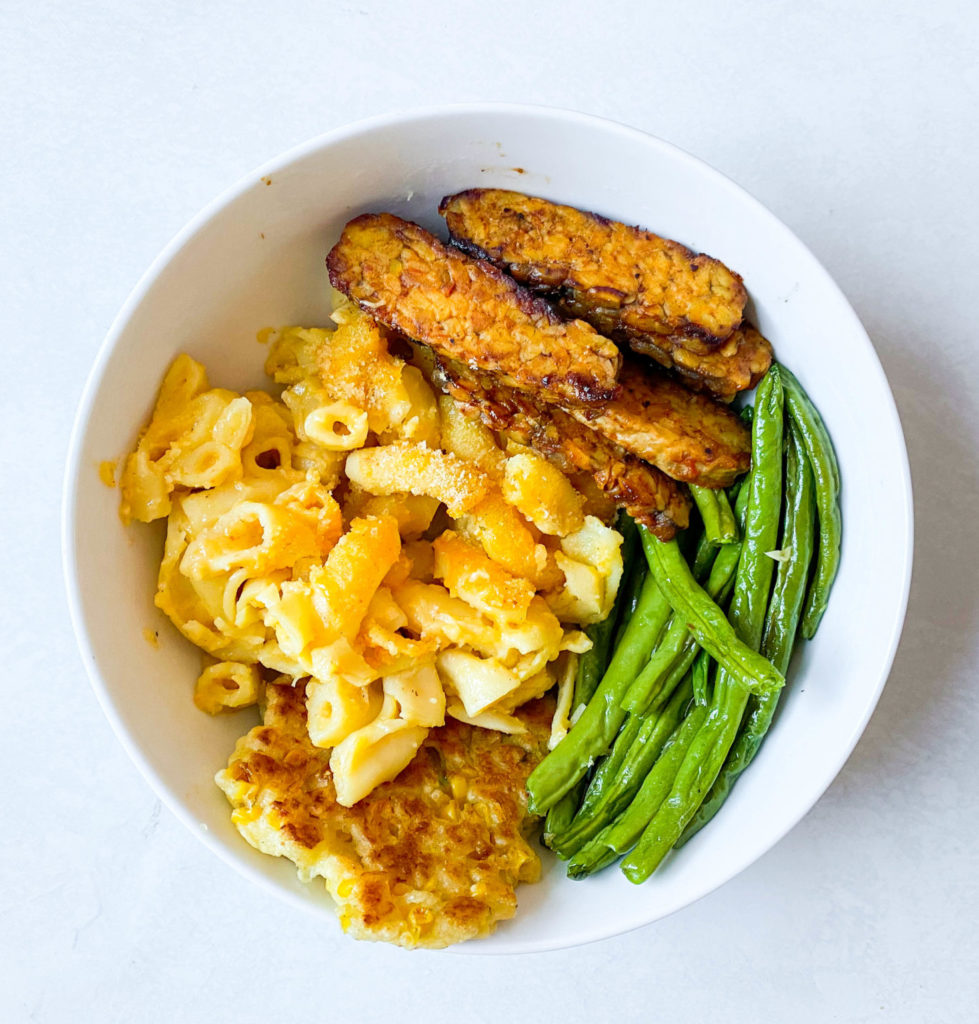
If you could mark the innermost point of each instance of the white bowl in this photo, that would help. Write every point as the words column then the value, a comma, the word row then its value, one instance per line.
column 255, row 257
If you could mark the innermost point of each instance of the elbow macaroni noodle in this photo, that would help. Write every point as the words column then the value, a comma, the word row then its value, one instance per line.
column 363, row 535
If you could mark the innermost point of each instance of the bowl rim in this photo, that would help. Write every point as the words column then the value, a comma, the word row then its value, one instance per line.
column 362, row 127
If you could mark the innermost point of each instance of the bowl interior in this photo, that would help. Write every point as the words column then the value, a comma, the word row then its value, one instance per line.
column 256, row 258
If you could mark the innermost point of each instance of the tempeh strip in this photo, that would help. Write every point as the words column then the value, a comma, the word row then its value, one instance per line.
column 468, row 310
column 622, row 279
column 690, row 437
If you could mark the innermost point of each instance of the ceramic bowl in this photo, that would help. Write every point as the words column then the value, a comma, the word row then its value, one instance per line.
column 255, row 257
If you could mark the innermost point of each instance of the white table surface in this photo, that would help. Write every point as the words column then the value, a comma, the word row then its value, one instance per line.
column 855, row 123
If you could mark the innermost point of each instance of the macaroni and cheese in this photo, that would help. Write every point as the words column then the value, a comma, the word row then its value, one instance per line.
column 359, row 536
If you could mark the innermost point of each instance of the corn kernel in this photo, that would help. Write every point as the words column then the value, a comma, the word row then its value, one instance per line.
column 345, row 888
column 459, row 787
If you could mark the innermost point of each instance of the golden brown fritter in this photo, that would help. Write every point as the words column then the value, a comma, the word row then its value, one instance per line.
column 467, row 310
column 647, row 494
column 735, row 365
column 690, row 437
column 625, row 281
column 429, row 859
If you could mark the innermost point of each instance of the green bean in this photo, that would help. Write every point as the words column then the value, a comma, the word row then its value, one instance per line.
column 691, row 648
column 686, row 661
column 612, row 762
column 781, row 623
column 708, row 749
column 663, row 661
column 706, row 550
column 719, row 588
column 560, row 815
column 592, row 735
column 608, row 768
column 592, row 664
column 669, row 652
column 621, row 774
column 619, row 836
column 699, row 674
column 729, row 527
column 762, row 512
column 634, row 570
column 826, row 477
column 693, row 777
column 704, row 619
column 678, row 645
column 797, row 545
column 715, row 511
column 676, row 675
column 703, row 557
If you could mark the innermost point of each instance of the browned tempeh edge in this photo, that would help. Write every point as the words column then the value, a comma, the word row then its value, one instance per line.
column 737, row 365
